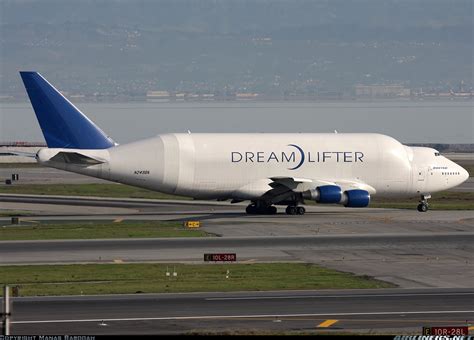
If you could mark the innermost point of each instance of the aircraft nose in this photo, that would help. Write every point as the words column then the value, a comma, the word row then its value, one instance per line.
column 464, row 174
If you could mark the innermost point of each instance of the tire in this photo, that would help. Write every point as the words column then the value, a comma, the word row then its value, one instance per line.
column 272, row 210
column 251, row 209
column 300, row 210
column 291, row 210
column 422, row 207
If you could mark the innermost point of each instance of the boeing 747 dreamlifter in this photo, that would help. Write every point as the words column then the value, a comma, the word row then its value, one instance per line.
column 266, row 169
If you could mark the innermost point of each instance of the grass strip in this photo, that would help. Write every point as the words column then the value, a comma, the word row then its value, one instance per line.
column 96, row 230
column 11, row 213
column 96, row 189
column 92, row 279
column 446, row 200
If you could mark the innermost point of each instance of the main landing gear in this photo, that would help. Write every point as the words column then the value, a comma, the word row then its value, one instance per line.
column 295, row 210
column 423, row 206
column 255, row 209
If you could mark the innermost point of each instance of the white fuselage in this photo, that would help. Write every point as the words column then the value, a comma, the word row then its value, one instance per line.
column 239, row 166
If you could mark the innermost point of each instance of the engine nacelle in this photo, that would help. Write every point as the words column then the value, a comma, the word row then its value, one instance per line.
column 324, row 194
column 356, row 198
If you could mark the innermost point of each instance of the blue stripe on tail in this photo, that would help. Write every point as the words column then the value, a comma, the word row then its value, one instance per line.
column 63, row 125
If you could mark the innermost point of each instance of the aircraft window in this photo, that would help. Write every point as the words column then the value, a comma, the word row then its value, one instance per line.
column 436, row 153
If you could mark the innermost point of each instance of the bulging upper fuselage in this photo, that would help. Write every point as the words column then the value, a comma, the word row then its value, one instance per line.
column 239, row 166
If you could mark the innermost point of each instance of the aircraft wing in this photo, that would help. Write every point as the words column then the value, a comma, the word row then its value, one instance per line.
column 283, row 188
column 280, row 188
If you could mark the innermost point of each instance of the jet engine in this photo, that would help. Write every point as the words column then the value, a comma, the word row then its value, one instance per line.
column 355, row 198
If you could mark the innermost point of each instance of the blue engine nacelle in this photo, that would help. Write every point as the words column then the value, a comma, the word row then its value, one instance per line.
column 328, row 194
column 357, row 198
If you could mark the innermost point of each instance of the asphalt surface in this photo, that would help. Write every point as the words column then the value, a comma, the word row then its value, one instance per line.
column 428, row 252
column 416, row 251
column 375, row 311
column 15, row 250
column 405, row 247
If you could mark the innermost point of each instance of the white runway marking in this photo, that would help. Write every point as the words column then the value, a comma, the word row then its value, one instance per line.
column 217, row 317
column 333, row 296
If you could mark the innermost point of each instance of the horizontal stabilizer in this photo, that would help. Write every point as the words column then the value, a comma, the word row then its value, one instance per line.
column 18, row 153
column 74, row 158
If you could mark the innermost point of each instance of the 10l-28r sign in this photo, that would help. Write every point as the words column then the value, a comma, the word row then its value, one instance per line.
column 222, row 257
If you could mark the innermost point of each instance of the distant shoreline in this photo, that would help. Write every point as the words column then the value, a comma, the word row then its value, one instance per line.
column 89, row 100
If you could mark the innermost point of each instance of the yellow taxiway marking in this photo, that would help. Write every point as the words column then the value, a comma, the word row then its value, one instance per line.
column 327, row 323
column 118, row 220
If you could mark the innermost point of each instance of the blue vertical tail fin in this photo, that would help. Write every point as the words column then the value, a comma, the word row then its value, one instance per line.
column 63, row 125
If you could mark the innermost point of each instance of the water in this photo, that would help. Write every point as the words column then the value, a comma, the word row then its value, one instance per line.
column 409, row 122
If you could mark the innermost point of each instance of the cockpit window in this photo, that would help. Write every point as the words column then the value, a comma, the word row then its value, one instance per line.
column 436, row 153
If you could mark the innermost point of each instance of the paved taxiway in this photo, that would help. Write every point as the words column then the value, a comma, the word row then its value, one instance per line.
column 374, row 310
column 405, row 247
column 408, row 248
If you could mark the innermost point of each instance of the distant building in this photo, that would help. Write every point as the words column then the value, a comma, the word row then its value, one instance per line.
column 159, row 96
column 180, row 96
column 246, row 96
column 381, row 91
column 208, row 96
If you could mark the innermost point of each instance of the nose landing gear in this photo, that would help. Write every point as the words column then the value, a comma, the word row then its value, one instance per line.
column 423, row 206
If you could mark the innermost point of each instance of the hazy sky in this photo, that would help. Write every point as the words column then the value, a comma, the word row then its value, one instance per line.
column 268, row 46
column 274, row 47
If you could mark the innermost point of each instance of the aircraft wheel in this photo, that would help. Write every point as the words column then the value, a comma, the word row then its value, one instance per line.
column 291, row 210
column 272, row 210
column 422, row 207
column 300, row 210
column 251, row 209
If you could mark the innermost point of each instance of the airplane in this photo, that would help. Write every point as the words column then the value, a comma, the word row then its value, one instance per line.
column 267, row 169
